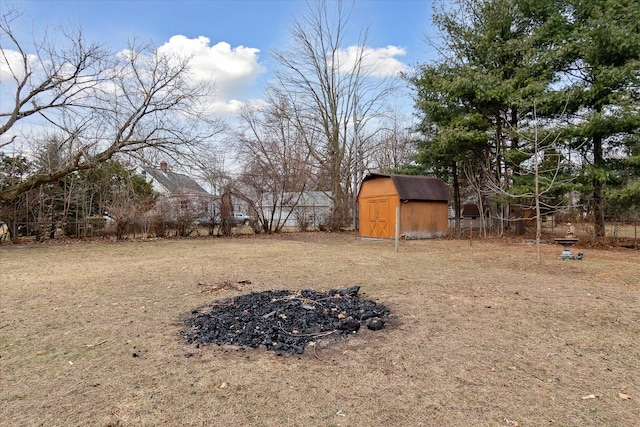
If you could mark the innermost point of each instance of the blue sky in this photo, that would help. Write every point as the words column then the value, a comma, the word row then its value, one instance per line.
column 232, row 38
column 255, row 23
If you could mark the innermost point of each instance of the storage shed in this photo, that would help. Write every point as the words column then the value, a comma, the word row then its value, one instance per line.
column 423, row 203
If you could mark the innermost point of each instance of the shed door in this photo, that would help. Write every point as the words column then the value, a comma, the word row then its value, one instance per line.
column 379, row 218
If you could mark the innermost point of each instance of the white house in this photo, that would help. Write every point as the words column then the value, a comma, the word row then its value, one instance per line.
column 181, row 192
column 311, row 208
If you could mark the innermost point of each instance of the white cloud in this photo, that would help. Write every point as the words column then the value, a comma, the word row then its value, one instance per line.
column 11, row 63
column 233, row 107
column 380, row 62
column 234, row 70
column 229, row 107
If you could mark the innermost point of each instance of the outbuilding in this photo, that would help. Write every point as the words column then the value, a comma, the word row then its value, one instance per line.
column 423, row 202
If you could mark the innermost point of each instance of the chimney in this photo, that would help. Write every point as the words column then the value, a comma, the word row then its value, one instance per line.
column 163, row 166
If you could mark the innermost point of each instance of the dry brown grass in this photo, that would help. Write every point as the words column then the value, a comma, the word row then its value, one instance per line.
column 480, row 335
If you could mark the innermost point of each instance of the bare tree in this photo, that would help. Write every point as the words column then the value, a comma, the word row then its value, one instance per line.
column 211, row 168
column 327, row 89
column 476, row 175
column 49, row 79
column 126, row 207
column 392, row 148
column 97, row 104
column 277, row 170
column 545, row 162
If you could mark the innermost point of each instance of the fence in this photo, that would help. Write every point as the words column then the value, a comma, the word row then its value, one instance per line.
column 617, row 232
column 104, row 229
column 91, row 228
column 624, row 233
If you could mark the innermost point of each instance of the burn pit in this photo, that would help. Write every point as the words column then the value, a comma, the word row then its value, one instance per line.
column 284, row 320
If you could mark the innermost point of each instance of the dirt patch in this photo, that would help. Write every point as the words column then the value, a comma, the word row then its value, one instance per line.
column 284, row 320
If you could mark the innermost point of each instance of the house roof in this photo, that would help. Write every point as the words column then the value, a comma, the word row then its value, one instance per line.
column 470, row 210
column 174, row 183
column 301, row 199
column 416, row 187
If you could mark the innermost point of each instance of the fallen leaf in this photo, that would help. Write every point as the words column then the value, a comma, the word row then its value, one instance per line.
column 624, row 396
column 224, row 385
column 590, row 396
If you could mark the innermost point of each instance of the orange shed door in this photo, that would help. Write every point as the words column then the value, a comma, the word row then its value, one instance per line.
column 379, row 218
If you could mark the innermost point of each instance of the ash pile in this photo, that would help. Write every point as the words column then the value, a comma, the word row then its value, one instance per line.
column 283, row 320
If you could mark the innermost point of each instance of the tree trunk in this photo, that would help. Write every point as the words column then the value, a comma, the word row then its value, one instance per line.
column 456, row 198
column 598, row 209
column 226, row 210
column 598, row 188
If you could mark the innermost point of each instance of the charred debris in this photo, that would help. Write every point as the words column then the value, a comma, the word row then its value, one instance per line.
column 284, row 320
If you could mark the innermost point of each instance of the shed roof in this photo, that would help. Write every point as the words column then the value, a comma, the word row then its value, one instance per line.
column 470, row 210
column 416, row 187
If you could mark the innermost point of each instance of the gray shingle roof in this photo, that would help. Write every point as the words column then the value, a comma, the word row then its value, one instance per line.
column 174, row 183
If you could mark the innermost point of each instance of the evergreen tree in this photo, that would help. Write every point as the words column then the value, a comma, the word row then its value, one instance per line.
column 604, row 91
column 497, row 58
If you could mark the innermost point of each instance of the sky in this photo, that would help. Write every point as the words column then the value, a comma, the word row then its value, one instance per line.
column 231, row 40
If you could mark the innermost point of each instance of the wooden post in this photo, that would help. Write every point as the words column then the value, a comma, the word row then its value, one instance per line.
column 470, row 232
column 397, row 227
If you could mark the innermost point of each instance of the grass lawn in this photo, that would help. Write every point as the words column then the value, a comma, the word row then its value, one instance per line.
column 479, row 335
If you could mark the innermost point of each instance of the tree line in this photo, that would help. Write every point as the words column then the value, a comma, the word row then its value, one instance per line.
column 140, row 105
column 534, row 100
column 529, row 104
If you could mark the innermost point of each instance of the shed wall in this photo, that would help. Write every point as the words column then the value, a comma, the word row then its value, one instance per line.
column 424, row 219
column 378, row 201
